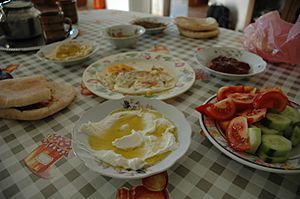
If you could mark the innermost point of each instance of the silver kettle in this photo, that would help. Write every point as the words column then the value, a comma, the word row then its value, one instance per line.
column 19, row 20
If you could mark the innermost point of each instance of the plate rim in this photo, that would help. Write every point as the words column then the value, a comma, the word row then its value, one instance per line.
column 185, row 149
column 120, row 95
column 66, row 62
column 237, row 158
column 163, row 20
column 228, row 75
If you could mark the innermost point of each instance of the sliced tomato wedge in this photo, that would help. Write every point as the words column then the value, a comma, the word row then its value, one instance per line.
column 224, row 91
column 254, row 115
column 202, row 108
column 222, row 110
column 242, row 100
column 271, row 99
column 224, row 125
column 237, row 134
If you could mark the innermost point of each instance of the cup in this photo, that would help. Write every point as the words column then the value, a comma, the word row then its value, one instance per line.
column 53, row 26
column 69, row 8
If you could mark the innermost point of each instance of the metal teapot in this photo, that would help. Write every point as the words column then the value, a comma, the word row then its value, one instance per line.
column 19, row 20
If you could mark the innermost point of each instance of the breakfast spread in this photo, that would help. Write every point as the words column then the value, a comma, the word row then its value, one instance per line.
column 259, row 128
column 70, row 50
column 33, row 97
column 229, row 65
column 131, row 138
column 261, row 122
column 197, row 28
column 126, row 79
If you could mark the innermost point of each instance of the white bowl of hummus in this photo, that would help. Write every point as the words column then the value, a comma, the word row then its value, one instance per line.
column 69, row 52
column 131, row 138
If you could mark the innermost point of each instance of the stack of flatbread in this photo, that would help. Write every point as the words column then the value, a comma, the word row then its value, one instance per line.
column 197, row 28
column 33, row 97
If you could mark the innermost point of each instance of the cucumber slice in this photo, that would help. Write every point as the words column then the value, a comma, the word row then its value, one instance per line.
column 268, row 131
column 275, row 146
column 291, row 113
column 276, row 121
column 269, row 159
column 254, row 135
column 295, row 138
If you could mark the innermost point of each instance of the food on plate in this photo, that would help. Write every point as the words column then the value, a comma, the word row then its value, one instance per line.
column 157, row 182
column 149, row 24
column 154, row 186
column 126, row 79
column 69, row 50
column 131, row 138
column 141, row 192
column 197, row 28
column 33, row 97
column 229, row 65
column 23, row 91
column 261, row 122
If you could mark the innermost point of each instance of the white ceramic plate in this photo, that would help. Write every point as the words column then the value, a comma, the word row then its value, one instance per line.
column 99, row 112
column 257, row 64
column 162, row 20
column 142, row 61
column 214, row 133
column 49, row 48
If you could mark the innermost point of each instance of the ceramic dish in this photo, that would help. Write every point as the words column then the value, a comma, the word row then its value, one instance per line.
column 257, row 64
column 99, row 112
column 51, row 47
column 155, row 20
column 124, row 36
column 215, row 135
column 31, row 44
column 141, row 60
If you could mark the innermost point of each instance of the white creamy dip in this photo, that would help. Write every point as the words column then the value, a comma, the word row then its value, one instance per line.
column 130, row 138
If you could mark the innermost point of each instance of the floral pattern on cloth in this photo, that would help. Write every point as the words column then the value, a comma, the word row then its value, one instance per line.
column 5, row 73
column 51, row 149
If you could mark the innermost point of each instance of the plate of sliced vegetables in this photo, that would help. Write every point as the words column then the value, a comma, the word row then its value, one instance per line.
column 258, row 128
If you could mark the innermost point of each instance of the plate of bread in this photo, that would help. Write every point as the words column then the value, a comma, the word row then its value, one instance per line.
column 154, row 75
column 197, row 28
column 33, row 97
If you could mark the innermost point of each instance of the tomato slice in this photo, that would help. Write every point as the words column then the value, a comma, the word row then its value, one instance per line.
column 224, row 91
column 271, row 99
column 254, row 115
column 237, row 134
column 224, row 125
column 242, row 100
column 222, row 110
column 202, row 108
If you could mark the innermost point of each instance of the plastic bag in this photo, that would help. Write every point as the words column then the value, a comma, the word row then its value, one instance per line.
column 274, row 39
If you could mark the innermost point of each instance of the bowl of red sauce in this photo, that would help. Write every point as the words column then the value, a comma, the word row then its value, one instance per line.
column 230, row 63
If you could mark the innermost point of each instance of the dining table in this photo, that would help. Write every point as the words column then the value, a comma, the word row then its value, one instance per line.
column 203, row 172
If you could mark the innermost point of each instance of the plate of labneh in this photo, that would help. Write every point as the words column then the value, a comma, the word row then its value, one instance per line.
column 149, row 74
column 131, row 138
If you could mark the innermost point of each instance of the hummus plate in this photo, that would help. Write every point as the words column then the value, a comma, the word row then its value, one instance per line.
column 182, row 72
column 81, row 144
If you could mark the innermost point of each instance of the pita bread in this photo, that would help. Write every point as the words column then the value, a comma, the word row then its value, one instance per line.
column 199, row 34
column 196, row 24
column 23, row 91
column 61, row 96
